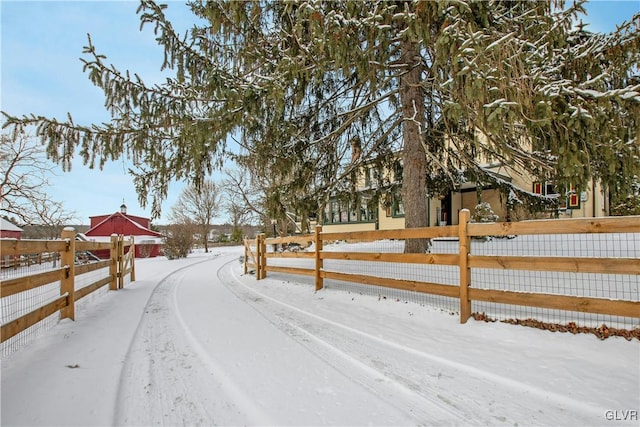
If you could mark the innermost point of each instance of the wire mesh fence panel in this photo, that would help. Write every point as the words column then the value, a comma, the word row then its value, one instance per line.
column 87, row 279
column 307, row 263
column 600, row 245
column 414, row 272
column 567, row 252
column 448, row 304
column 290, row 254
column 606, row 285
column 26, row 300
column 29, row 335
column 444, row 246
column 14, row 266
column 20, row 304
column 441, row 274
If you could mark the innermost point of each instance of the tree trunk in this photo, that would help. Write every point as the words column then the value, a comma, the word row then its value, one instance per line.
column 205, row 237
column 414, row 184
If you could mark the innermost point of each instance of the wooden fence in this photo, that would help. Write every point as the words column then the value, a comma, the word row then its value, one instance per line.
column 257, row 257
column 68, row 249
column 16, row 262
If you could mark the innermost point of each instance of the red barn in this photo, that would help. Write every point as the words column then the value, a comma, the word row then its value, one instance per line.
column 147, row 241
column 9, row 230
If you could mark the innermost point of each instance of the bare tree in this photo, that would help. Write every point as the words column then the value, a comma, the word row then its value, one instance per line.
column 242, row 201
column 25, row 173
column 198, row 205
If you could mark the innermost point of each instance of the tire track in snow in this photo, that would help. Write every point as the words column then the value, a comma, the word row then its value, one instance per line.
column 201, row 356
column 164, row 380
column 397, row 391
column 444, row 371
column 289, row 382
column 176, row 377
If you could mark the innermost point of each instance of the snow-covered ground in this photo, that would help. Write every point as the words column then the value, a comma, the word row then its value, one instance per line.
column 196, row 342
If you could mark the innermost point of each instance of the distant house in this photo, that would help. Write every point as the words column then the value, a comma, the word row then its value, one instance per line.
column 9, row 230
column 361, row 213
column 148, row 242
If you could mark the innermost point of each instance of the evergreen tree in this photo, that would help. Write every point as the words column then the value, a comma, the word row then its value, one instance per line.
column 447, row 84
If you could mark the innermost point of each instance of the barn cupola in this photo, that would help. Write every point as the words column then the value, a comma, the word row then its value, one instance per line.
column 123, row 208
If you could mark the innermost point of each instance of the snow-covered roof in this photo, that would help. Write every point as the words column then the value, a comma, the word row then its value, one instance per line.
column 7, row 225
column 139, row 226
column 137, row 239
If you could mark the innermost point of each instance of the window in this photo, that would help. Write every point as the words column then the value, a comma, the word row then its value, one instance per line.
column 337, row 212
column 546, row 188
column 371, row 177
column 367, row 213
column 571, row 197
column 398, row 170
column 397, row 207
column 353, row 215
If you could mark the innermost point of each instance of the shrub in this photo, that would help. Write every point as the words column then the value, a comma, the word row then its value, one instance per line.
column 483, row 213
column 179, row 241
column 629, row 206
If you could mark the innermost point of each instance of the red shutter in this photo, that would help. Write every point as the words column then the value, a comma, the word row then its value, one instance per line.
column 537, row 187
column 574, row 198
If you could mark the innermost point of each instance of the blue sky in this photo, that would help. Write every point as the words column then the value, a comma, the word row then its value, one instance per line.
column 41, row 43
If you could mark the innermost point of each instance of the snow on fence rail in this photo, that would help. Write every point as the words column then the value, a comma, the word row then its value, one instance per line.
column 33, row 294
column 577, row 271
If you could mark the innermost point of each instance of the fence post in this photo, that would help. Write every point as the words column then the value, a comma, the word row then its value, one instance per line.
column 246, row 255
column 465, row 271
column 319, row 260
column 121, row 261
column 67, row 284
column 263, row 256
column 258, row 256
column 132, row 275
column 113, row 267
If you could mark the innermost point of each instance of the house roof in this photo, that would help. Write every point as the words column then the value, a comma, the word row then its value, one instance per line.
column 139, row 227
column 7, row 225
column 138, row 239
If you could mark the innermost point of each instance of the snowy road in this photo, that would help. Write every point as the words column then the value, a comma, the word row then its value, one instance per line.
column 210, row 351
column 215, row 347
